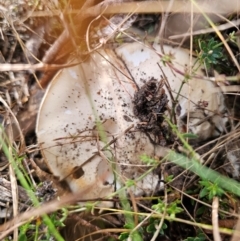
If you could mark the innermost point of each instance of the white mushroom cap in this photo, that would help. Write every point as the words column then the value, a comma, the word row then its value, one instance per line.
column 101, row 89
column 143, row 62
column 76, row 99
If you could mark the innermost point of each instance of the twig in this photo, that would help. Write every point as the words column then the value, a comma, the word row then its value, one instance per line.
column 235, row 236
column 165, row 16
column 39, row 66
column 216, row 233
column 14, row 187
column 221, row 27
column 156, row 233
column 160, row 6
column 134, row 205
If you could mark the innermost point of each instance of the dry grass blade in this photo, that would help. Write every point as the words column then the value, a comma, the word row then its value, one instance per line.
column 179, row 6
column 39, row 66
column 230, row 24
column 235, row 237
column 14, row 198
column 14, row 187
column 162, row 6
column 159, row 226
column 216, row 233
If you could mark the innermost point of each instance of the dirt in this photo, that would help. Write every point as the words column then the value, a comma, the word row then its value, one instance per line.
column 150, row 106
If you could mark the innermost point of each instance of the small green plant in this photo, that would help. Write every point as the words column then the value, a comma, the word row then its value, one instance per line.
column 210, row 53
column 152, row 227
column 23, row 231
column 167, row 58
column 200, row 237
column 171, row 209
column 169, row 178
column 130, row 183
column 210, row 190
column 124, row 236
column 148, row 160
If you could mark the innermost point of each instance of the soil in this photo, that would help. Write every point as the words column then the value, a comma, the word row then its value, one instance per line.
column 150, row 104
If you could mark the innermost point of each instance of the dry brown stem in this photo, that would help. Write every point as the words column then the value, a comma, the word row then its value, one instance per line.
column 216, row 233
column 144, row 7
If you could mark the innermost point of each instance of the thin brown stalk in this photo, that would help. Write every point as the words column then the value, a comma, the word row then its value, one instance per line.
column 135, row 209
column 14, row 190
column 142, row 7
column 13, row 179
column 158, row 7
column 216, row 232
column 221, row 27
column 39, row 66
column 156, row 233
column 235, row 237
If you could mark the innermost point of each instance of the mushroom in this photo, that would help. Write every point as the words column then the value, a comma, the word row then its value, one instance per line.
column 89, row 126
column 199, row 97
